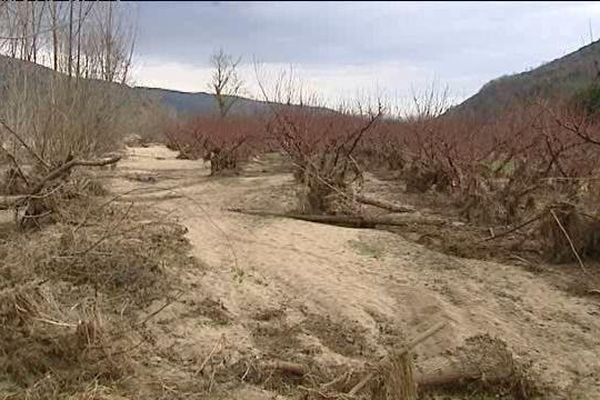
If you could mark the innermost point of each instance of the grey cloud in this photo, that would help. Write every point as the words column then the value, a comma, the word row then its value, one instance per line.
column 456, row 40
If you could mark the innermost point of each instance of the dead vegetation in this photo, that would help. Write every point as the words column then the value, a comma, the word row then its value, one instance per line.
column 80, row 273
column 484, row 364
column 224, row 142
column 321, row 144
column 484, row 179
column 77, row 271
column 74, row 296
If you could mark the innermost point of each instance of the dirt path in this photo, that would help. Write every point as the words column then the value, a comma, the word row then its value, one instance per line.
column 301, row 291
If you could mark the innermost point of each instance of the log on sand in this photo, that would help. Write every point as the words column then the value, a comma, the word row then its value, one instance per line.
column 386, row 205
column 498, row 369
column 346, row 220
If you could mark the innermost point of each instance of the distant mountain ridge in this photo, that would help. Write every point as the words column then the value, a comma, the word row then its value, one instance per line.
column 561, row 77
column 181, row 103
column 186, row 103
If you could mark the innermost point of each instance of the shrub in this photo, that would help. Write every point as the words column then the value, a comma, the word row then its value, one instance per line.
column 222, row 141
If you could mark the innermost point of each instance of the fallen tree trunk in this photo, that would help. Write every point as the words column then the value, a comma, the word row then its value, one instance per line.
column 384, row 204
column 27, row 202
column 8, row 202
column 157, row 197
column 345, row 220
column 67, row 167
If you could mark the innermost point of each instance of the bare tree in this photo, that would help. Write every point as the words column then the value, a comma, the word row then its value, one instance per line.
column 225, row 81
column 54, row 30
column 54, row 116
column 92, row 40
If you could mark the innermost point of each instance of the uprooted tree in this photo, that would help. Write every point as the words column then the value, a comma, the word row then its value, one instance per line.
column 322, row 145
column 41, row 192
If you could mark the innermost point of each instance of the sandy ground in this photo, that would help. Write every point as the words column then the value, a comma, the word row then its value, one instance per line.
column 286, row 289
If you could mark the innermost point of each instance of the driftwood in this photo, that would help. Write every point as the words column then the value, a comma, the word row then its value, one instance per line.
column 150, row 197
column 287, row 367
column 384, row 204
column 9, row 202
column 514, row 229
column 449, row 373
column 409, row 346
column 67, row 167
column 346, row 220
column 451, row 376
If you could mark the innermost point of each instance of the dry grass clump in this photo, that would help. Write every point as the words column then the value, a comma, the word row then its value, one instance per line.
column 71, row 297
column 56, row 337
column 396, row 380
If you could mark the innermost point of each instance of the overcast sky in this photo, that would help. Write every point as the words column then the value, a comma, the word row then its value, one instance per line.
column 342, row 48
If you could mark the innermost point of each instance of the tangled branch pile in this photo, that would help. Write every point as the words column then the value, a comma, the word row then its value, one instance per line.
column 72, row 298
column 506, row 172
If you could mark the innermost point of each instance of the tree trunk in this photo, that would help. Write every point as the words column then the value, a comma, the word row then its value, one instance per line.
column 54, row 35
column 70, row 54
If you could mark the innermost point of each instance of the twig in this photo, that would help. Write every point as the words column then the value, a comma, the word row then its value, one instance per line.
column 516, row 228
column 337, row 380
column 110, row 232
column 56, row 323
column 108, row 202
column 575, row 253
column 15, row 163
column 519, row 258
column 246, row 373
column 20, row 140
column 289, row 367
column 209, row 356
column 153, row 314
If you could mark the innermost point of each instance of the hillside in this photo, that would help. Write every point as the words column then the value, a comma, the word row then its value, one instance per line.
column 179, row 102
column 200, row 102
column 561, row 77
